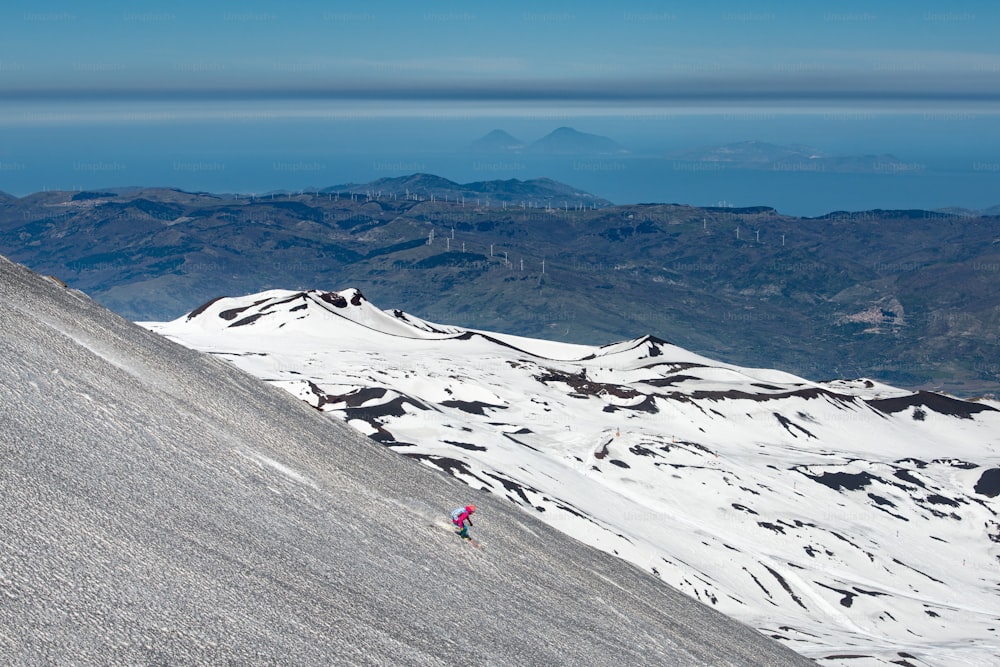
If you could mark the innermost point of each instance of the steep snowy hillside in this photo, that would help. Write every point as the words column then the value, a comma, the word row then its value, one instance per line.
column 852, row 521
column 163, row 507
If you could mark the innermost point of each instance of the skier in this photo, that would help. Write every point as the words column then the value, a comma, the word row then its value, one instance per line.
column 459, row 517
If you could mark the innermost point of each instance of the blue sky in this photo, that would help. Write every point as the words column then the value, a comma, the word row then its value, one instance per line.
column 567, row 51
column 256, row 96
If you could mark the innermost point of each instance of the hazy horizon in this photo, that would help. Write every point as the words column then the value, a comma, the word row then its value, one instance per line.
column 238, row 99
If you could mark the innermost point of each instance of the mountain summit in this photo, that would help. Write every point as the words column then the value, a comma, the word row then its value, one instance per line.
column 497, row 142
column 568, row 141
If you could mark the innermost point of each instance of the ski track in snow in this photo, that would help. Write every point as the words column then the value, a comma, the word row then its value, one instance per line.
column 284, row 470
column 801, row 508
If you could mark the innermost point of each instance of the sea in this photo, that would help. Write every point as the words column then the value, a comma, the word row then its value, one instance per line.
column 937, row 161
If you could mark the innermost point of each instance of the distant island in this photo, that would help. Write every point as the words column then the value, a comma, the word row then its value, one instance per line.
column 563, row 141
column 765, row 156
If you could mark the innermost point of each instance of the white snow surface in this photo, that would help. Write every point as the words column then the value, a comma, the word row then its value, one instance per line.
column 854, row 522
column 160, row 506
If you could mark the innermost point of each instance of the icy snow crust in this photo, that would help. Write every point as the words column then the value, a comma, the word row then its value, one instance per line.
column 162, row 507
column 842, row 519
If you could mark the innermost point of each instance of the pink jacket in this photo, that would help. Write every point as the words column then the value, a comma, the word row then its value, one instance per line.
column 464, row 516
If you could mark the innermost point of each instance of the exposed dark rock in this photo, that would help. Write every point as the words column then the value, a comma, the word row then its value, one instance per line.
column 989, row 483
column 945, row 405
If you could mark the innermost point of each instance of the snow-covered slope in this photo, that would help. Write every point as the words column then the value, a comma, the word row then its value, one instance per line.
column 162, row 507
column 844, row 519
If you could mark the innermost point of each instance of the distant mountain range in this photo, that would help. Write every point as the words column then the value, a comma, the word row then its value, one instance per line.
column 991, row 211
column 563, row 141
column 539, row 192
column 795, row 157
column 908, row 297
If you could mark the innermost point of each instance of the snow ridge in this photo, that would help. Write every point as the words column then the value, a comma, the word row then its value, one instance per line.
column 844, row 519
